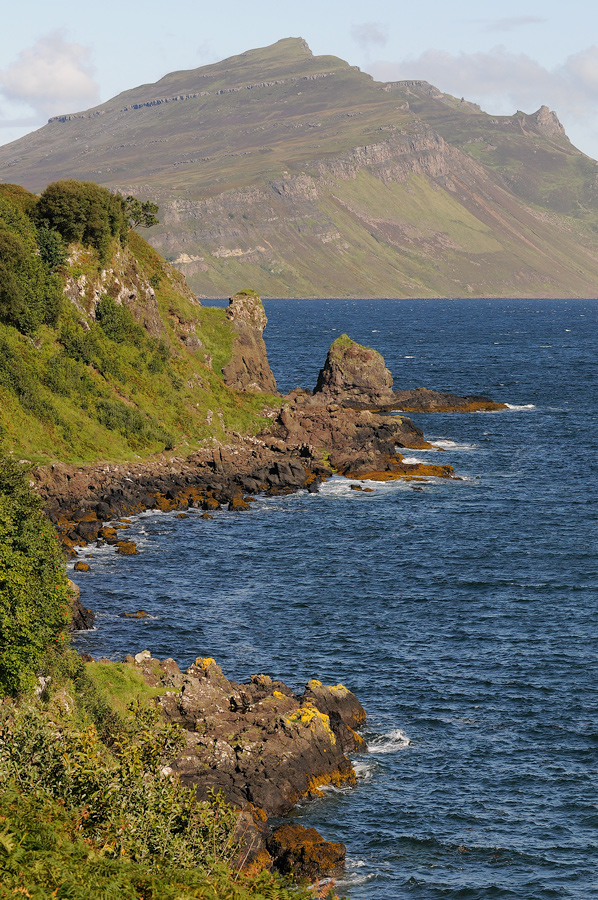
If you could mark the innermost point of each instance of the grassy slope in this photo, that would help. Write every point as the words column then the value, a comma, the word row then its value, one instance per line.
column 129, row 399
column 521, row 218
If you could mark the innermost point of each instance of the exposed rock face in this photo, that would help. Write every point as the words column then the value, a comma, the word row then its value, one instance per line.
column 237, row 735
column 303, row 853
column 353, row 373
column 248, row 369
column 265, row 748
column 547, row 122
column 82, row 618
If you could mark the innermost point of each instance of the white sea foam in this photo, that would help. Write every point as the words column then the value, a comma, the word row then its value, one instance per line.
column 364, row 768
column 412, row 460
column 390, row 743
column 520, row 406
column 409, row 357
column 445, row 444
column 354, row 874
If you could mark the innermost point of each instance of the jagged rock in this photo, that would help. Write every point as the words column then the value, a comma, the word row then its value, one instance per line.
column 248, row 368
column 81, row 567
column 81, row 617
column 353, row 373
column 238, row 734
column 303, row 853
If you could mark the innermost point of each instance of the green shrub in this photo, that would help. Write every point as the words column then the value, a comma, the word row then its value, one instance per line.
column 29, row 295
column 34, row 602
column 22, row 379
column 139, row 429
column 118, row 324
column 85, row 212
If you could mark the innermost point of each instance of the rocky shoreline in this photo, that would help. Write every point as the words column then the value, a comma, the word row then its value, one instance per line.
column 237, row 735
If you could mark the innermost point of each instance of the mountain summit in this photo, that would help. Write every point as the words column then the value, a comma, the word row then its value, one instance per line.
column 302, row 176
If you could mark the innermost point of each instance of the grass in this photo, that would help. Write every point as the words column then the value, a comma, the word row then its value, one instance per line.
column 92, row 390
column 120, row 685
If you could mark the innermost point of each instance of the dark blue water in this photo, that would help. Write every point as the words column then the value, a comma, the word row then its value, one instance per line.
column 463, row 613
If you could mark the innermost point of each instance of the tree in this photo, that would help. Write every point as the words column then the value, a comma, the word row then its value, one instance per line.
column 141, row 213
column 83, row 211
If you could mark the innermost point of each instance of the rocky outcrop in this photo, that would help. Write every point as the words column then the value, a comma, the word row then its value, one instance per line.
column 81, row 617
column 302, row 853
column 248, row 368
column 265, row 748
column 353, row 373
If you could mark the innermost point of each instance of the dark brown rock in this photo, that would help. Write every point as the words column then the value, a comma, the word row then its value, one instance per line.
column 239, row 734
column 248, row 368
column 353, row 373
column 81, row 618
column 303, row 854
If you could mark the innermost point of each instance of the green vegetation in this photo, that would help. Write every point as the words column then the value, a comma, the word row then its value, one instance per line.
column 34, row 603
column 84, row 212
column 86, row 810
column 130, row 364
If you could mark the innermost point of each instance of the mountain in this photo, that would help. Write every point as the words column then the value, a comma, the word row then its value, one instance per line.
column 302, row 176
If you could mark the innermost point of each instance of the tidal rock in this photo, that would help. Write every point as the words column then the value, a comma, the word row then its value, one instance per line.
column 126, row 548
column 81, row 566
column 353, row 373
column 248, row 369
column 81, row 618
column 424, row 400
column 303, row 853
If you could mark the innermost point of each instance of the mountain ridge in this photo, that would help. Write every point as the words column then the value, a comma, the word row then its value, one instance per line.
column 302, row 176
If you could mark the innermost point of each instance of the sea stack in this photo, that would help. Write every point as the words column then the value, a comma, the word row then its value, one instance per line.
column 354, row 374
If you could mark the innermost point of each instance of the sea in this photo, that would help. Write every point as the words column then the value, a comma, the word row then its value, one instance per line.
column 463, row 613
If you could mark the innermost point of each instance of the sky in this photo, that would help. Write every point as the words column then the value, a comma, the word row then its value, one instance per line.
column 67, row 56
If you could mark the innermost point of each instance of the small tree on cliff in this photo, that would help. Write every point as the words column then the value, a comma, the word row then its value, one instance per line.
column 142, row 213
column 34, row 601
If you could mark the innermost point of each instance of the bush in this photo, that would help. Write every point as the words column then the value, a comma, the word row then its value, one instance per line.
column 118, row 324
column 139, row 429
column 34, row 601
column 85, row 212
column 131, row 809
column 29, row 295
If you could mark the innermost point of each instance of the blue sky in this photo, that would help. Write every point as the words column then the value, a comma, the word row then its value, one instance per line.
column 65, row 56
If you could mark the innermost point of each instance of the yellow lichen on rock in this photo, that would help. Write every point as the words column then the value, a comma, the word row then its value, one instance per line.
column 205, row 663
column 312, row 718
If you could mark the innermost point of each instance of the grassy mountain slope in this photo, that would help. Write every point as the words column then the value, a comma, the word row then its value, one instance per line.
column 304, row 177
column 131, row 365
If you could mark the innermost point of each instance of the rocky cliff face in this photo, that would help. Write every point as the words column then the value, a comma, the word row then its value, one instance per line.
column 309, row 179
column 248, row 368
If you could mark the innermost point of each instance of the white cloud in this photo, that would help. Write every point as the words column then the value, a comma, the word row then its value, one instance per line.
column 52, row 77
column 503, row 82
column 370, row 34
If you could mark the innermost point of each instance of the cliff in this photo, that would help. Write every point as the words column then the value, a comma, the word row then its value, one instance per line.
column 300, row 175
column 124, row 362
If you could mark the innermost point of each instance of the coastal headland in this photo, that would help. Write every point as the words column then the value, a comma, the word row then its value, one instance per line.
column 236, row 734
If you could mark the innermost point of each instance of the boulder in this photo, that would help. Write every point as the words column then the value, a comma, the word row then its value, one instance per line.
column 303, row 853
column 353, row 373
